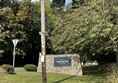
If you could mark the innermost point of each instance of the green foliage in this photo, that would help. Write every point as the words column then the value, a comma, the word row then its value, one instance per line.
column 75, row 3
column 30, row 67
column 1, row 5
column 22, row 21
column 58, row 2
column 8, row 68
column 112, row 74
column 88, row 30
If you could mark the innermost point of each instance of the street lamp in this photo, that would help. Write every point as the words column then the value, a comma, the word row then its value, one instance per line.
column 15, row 41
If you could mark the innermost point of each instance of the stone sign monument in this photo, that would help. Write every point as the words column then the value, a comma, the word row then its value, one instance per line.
column 63, row 63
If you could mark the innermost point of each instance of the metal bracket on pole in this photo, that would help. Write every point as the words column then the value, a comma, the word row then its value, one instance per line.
column 43, row 33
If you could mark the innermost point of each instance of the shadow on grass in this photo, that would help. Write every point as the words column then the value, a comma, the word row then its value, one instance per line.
column 64, row 79
column 13, row 73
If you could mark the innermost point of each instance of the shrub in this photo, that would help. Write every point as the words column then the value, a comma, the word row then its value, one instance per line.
column 7, row 68
column 112, row 74
column 2, row 71
column 30, row 67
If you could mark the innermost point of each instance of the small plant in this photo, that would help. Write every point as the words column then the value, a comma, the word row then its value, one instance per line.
column 112, row 74
column 7, row 68
column 30, row 67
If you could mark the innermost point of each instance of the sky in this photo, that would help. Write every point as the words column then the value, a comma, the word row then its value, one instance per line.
column 37, row 0
column 34, row 0
column 31, row 0
column 67, row 1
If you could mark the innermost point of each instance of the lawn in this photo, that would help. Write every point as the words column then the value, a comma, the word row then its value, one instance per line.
column 91, row 75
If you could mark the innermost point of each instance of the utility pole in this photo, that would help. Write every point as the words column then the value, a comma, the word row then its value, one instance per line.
column 43, row 42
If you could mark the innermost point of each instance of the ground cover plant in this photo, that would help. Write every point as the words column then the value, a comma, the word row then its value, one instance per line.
column 91, row 75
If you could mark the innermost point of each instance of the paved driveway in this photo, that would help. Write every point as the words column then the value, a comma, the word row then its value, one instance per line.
column 19, row 69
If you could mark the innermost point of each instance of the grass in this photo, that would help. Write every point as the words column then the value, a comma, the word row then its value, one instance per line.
column 91, row 75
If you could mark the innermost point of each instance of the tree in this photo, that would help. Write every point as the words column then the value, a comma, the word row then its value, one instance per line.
column 22, row 21
column 87, row 30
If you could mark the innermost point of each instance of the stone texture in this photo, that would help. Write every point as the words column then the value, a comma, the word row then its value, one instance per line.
column 74, row 69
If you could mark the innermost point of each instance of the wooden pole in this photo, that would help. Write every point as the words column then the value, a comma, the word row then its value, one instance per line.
column 43, row 42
